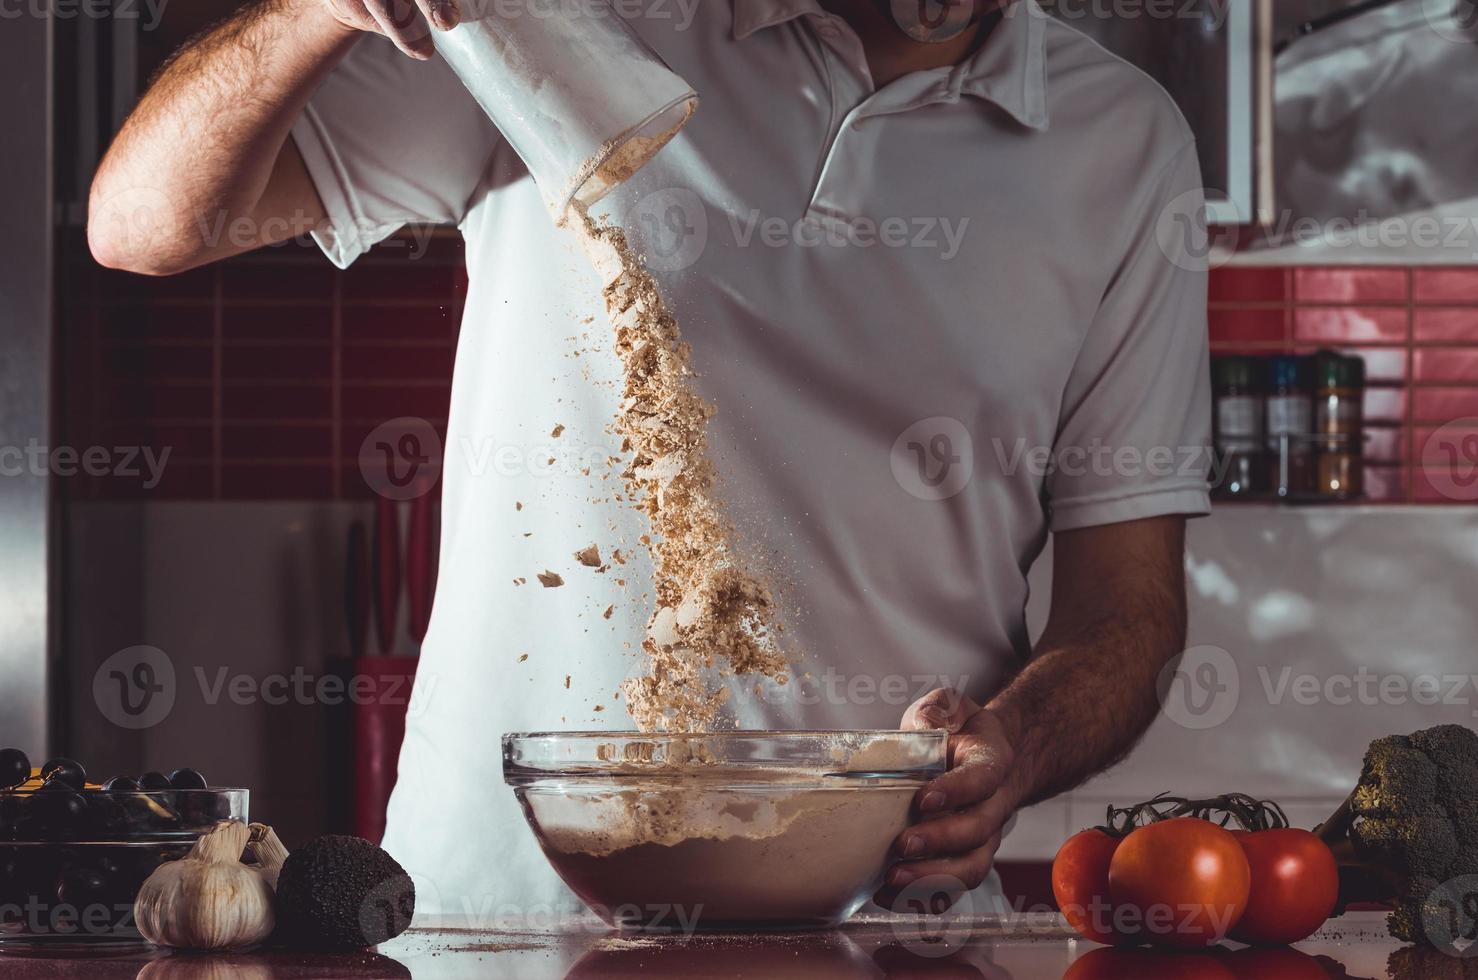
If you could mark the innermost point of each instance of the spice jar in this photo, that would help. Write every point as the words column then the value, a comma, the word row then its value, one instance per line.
column 1238, row 392
column 1290, row 426
column 1339, row 394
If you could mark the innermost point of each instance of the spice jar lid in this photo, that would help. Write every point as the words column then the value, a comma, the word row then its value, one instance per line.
column 1335, row 370
column 1237, row 372
column 1289, row 372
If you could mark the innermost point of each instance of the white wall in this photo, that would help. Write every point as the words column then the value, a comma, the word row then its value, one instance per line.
column 258, row 588
column 1331, row 593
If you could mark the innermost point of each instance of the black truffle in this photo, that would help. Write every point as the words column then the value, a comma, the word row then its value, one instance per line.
column 341, row 893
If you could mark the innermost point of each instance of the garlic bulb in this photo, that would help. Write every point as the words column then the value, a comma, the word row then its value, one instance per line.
column 207, row 899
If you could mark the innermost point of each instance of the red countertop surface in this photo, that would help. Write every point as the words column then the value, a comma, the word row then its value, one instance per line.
column 1034, row 947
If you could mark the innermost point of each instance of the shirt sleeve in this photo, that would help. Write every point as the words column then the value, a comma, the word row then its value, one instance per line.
column 389, row 141
column 1133, row 441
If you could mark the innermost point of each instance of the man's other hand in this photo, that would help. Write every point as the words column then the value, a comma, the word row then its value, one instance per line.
column 959, row 815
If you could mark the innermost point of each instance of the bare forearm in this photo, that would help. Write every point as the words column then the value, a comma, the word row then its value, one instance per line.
column 198, row 153
column 1089, row 691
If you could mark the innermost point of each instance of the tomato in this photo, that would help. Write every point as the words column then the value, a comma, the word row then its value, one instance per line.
column 1080, row 884
column 1181, row 882
column 1139, row 964
column 1295, row 883
column 1274, row 963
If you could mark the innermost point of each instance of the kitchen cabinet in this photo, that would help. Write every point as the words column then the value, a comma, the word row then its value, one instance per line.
column 1214, row 57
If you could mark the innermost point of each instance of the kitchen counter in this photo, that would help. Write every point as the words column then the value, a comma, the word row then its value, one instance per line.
column 1030, row 947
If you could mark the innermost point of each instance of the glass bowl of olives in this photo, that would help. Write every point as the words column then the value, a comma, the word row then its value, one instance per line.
column 73, row 854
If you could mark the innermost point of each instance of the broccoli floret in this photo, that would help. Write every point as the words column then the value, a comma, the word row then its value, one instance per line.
column 1413, row 819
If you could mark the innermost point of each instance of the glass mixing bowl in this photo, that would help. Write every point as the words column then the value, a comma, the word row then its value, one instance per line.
column 723, row 831
column 71, row 864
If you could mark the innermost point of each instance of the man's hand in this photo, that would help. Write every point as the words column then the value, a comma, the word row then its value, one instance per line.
column 402, row 21
column 961, row 813
column 1078, row 706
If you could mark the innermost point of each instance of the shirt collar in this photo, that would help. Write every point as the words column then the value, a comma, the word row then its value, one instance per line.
column 1009, row 70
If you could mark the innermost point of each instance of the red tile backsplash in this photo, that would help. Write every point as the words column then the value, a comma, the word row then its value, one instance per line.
column 1446, row 365
column 1447, row 285
column 1438, row 326
column 1248, row 326
column 261, row 375
column 1351, row 286
column 1417, row 330
column 1352, row 325
column 264, row 375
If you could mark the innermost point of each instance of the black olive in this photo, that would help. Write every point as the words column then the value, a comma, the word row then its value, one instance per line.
column 60, row 806
column 80, row 887
column 122, row 784
column 68, row 771
column 153, row 782
column 187, row 779
column 15, row 768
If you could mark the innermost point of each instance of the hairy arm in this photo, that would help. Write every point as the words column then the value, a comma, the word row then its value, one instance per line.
column 1088, row 694
column 203, row 168
column 1083, row 700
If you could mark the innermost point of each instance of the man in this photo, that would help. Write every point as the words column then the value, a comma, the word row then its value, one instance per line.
column 909, row 269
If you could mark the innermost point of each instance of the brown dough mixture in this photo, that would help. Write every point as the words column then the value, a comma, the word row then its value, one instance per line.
column 711, row 613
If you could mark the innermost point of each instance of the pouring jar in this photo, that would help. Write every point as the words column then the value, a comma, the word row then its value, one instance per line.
column 579, row 96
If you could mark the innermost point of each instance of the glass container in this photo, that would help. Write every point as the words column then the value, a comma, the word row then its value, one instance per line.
column 579, row 96
column 71, row 864
column 722, row 831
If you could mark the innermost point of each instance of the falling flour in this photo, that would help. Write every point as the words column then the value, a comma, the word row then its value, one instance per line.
column 712, row 614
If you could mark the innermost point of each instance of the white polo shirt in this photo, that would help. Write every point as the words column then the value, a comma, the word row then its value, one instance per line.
column 903, row 302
